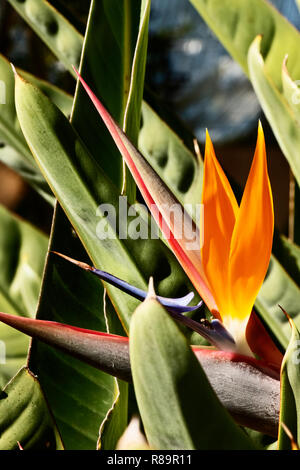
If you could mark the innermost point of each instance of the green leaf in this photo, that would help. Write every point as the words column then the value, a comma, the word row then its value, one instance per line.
column 14, row 151
column 279, row 289
column 24, row 416
column 290, row 91
column 178, row 407
column 237, row 23
column 59, row 35
column 278, row 105
column 132, row 115
column 22, row 255
column 288, row 254
column 290, row 391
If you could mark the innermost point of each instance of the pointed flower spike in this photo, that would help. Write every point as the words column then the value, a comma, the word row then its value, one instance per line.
column 237, row 240
column 252, row 239
column 174, row 222
column 176, row 304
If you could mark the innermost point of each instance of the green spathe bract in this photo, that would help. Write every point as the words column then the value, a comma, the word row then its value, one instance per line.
column 171, row 388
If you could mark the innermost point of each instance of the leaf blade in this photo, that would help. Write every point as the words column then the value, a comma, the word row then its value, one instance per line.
column 167, row 386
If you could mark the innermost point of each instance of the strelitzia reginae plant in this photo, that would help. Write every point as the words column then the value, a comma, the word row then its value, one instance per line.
column 227, row 271
column 202, row 351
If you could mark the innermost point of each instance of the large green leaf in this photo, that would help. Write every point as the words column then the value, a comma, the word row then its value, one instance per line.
column 22, row 256
column 178, row 407
column 280, row 106
column 59, row 35
column 24, row 416
column 14, row 151
column 290, row 392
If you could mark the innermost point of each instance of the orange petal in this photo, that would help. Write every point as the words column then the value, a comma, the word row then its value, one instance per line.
column 220, row 209
column 252, row 236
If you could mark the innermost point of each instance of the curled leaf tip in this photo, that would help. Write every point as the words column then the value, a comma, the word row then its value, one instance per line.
column 197, row 149
column 287, row 315
column 13, row 69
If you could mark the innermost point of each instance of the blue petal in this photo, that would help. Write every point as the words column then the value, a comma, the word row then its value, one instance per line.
column 175, row 304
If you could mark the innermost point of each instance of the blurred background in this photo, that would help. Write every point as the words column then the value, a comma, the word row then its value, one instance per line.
column 188, row 69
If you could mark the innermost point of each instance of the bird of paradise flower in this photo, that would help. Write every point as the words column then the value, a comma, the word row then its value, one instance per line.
column 229, row 268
